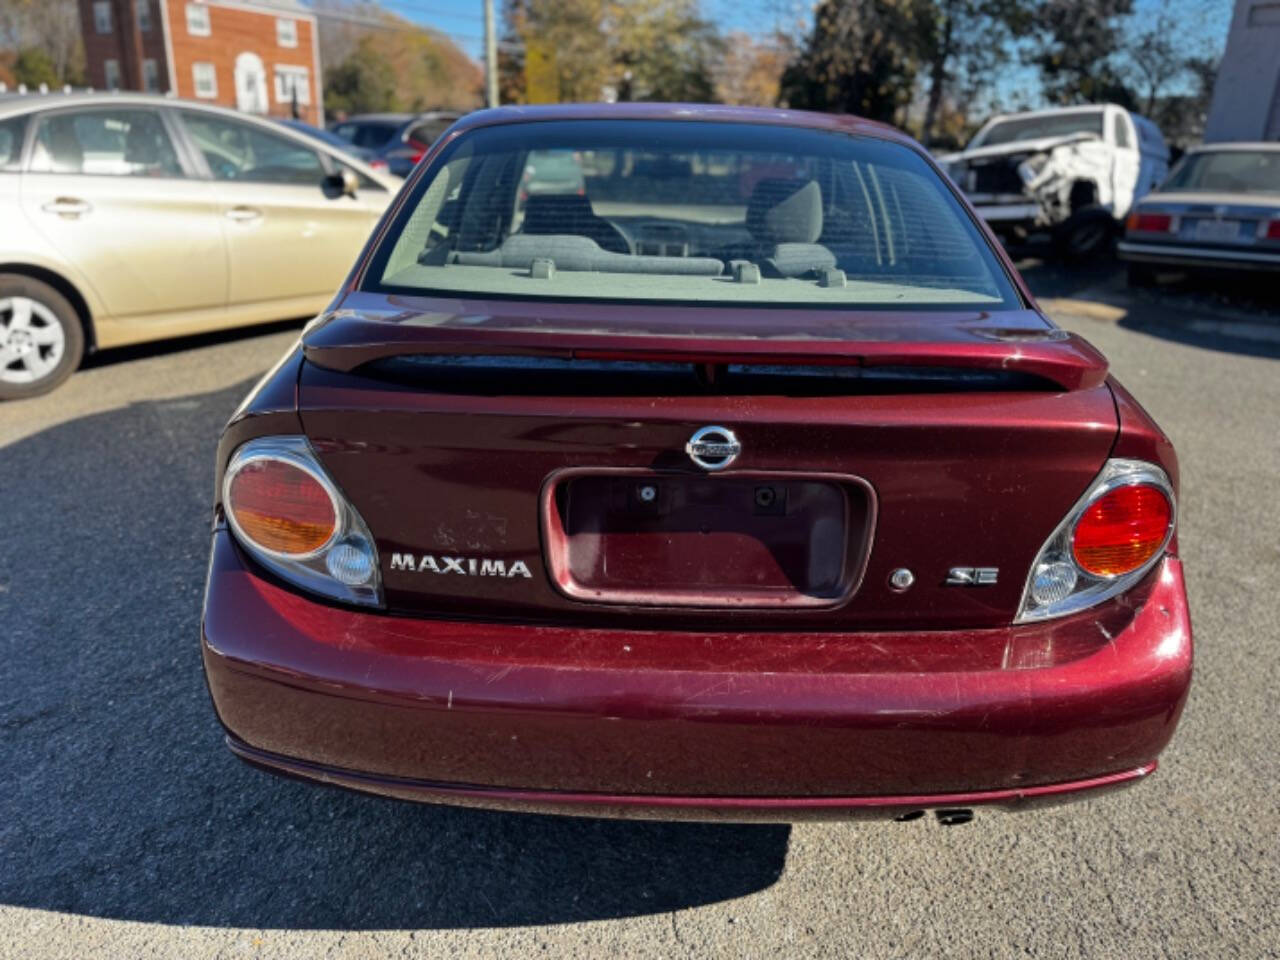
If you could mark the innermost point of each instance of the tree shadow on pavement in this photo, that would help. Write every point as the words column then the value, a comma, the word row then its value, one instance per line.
column 121, row 800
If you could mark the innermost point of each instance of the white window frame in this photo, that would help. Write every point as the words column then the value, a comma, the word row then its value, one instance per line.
column 102, row 16
column 111, row 74
column 150, row 76
column 286, row 32
column 211, row 76
column 142, row 9
column 284, row 93
column 202, row 27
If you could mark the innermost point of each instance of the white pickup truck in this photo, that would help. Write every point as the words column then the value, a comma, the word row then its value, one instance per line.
column 1073, row 173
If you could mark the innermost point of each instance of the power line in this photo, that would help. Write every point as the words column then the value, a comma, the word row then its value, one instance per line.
column 433, row 11
column 371, row 23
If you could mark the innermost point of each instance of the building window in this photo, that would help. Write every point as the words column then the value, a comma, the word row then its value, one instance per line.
column 206, row 80
column 290, row 80
column 287, row 32
column 150, row 76
column 198, row 20
column 143, row 7
column 111, row 69
column 102, row 16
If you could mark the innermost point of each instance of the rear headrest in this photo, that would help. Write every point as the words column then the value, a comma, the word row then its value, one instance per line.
column 785, row 211
column 64, row 146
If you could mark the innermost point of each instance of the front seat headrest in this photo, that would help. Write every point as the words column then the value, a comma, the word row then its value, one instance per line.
column 785, row 211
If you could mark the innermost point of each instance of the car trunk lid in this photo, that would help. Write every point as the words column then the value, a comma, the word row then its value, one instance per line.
column 533, row 463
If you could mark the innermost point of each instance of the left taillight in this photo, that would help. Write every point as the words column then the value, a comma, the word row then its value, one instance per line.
column 289, row 515
column 1108, row 541
column 1140, row 222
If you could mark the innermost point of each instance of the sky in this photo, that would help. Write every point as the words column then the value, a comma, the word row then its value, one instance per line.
column 463, row 20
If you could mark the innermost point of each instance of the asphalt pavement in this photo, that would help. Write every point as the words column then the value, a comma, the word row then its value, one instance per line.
column 127, row 830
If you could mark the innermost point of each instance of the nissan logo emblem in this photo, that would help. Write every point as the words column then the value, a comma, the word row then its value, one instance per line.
column 713, row 448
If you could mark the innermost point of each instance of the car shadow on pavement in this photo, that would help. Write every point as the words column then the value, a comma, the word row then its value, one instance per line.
column 157, row 348
column 1258, row 337
column 121, row 800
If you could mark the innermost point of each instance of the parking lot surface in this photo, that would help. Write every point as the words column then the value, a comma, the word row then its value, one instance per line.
column 127, row 829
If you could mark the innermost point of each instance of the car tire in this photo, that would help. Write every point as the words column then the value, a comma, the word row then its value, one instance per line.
column 1085, row 236
column 1141, row 276
column 41, row 339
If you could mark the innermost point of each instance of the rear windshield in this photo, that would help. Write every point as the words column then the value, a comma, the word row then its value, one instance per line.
column 371, row 135
column 687, row 212
column 1034, row 128
column 1227, row 171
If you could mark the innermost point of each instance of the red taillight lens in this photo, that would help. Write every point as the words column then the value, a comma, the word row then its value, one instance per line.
column 281, row 507
column 1273, row 230
column 1148, row 222
column 1122, row 530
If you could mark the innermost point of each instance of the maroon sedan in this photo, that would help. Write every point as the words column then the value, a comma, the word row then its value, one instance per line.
column 738, row 475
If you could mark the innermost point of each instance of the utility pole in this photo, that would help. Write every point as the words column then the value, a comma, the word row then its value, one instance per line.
column 490, row 57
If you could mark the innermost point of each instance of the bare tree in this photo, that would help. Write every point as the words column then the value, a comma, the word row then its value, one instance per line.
column 52, row 26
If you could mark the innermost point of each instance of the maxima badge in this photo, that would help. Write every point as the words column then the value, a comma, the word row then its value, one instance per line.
column 713, row 448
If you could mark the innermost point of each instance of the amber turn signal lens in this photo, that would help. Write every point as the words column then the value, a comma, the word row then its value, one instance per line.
column 1122, row 530
column 281, row 508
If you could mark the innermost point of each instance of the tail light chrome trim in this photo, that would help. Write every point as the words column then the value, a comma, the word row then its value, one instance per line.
column 350, row 540
column 1065, row 586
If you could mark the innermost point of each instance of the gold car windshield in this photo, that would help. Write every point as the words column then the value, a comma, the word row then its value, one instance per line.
column 688, row 212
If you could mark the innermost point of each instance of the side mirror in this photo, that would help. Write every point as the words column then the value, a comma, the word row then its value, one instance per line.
column 344, row 183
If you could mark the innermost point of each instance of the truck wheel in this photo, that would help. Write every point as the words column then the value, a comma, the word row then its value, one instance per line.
column 41, row 340
column 1085, row 236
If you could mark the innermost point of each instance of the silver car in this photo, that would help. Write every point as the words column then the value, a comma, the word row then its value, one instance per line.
column 130, row 217
column 1219, row 209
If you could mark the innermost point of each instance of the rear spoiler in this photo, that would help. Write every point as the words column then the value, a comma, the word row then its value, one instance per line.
column 348, row 339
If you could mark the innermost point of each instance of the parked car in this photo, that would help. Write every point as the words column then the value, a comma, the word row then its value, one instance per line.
column 134, row 217
column 333, row 140
column 399, row 139
column 721, row 496
column 1070, row 173
column 1219, row 210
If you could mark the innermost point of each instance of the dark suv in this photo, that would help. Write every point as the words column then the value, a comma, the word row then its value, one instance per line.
column 399, row 139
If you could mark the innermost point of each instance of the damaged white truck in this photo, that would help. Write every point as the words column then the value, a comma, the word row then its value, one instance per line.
column 1071, row 174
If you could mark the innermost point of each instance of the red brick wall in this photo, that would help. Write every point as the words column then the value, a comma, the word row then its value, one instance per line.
column 235, row 30
column 100, row 47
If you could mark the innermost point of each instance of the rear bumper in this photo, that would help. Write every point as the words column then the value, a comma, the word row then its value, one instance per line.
column 1186, row 255
column 651, row 723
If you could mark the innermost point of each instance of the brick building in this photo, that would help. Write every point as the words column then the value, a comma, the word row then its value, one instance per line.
column 260, row 56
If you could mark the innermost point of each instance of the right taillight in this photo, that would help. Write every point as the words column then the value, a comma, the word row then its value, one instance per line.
column 288, row 514
column 1112, row 536
column 1273, row 230
column 1121, row 530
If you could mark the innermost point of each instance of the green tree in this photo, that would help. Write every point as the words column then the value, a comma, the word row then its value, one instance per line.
column 50, row 28
column 363, row 83
column 862, row 57
column 965, row 42
column 1078, row 49
column 566, row 50
column 34, row 67
column 663, row 50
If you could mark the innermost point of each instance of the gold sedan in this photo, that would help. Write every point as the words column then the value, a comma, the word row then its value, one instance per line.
column 130, row 217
